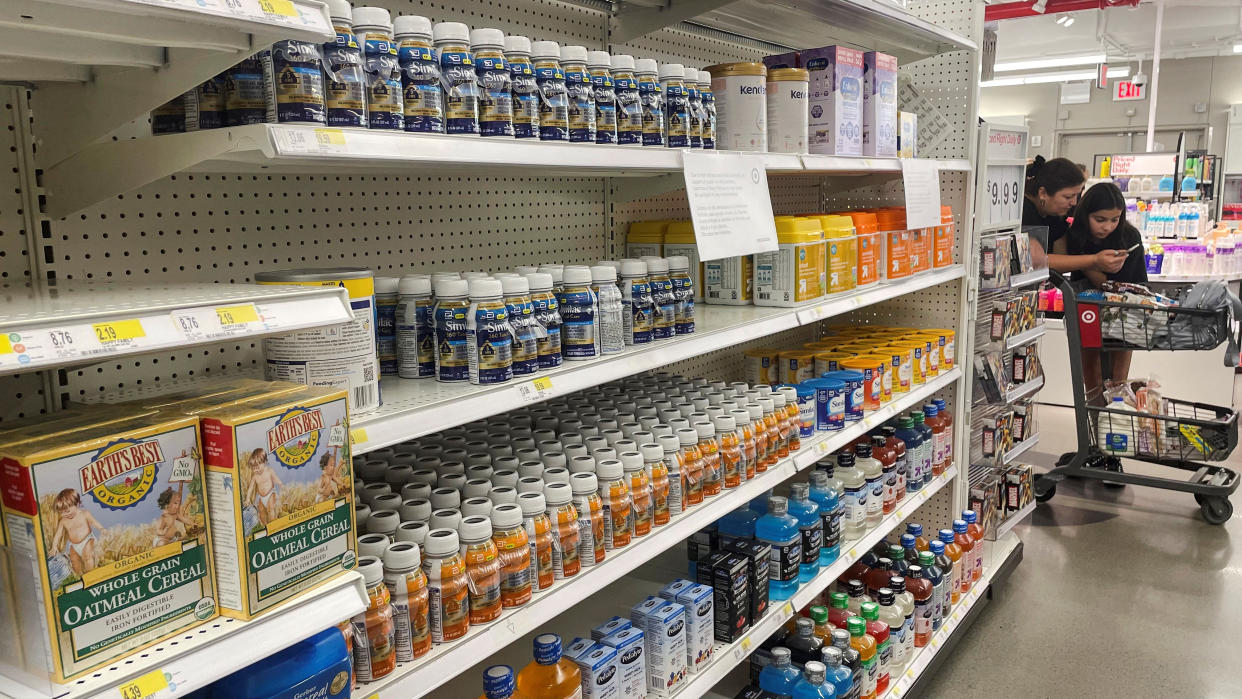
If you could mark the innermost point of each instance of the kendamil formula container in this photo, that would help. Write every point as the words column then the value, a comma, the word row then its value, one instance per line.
column 841, row 248
column 787, row 110
column 795, row 273
column 340, row 356
column 740, row 91
column 679, row 240
column 870, row 248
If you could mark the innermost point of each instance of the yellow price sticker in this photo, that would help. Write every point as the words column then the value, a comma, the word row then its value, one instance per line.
column 6, row 347
column 910, row 673
column 118, row 330
column 543, row 383
column 284, row 8
column 358, row 435
column 787, row 610
column 746, row 643
column 237, row 315
column 147, row 685
column 330, row 137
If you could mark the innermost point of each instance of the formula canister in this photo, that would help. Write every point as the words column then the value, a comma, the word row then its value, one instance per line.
column 787, row 110
column 740, row 91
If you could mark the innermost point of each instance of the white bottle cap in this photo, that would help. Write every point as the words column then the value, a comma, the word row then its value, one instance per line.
column 581, row 464
column 546, row 49
column 506, row 516
column 386, row 285
column 370, row 491
column 573, row 54
column 603, row 453
column 631, row 460
column 476, row 488
column 413, row 531
column 412, row 25
column 778, row 400
column 599, row 59
column 577, row 274
column 472, row 507
column 532, row 504
column 740, row 417
column 450, row 31
column 651, row 452
column 475, row 528
column 655, row 265
column 724, row 423
column 414, row 491
column 475, row 275
column 416, row 510
column 633, row 268
column 487, row 37
column 529, row 484
column 556, row 475
column 755, row 410
column 679, row 262
column 457, row 481
column 445, row 498
column 583, row 483
column 485, row 288
column 673, row 443
column 646, row 66
column 446, row 288
column 704, row 429
column 340, row 9
column 372, row 17
column 425, row 475
column 603, row 273
column 530, row 469
column 373, row 544
column 372, row 570
column 388, row 501
column 515, row 43
column 688, row 437
column 670, row 70
column 480, row 470
column 402, row 555
column 557, row 494
column 622, row 61
column 506, row 477
column 502, row 494
column 790, row 393
column 539, row 281
column 515, row 286
column 442, row 542
column 609, row 469
column 437, row 276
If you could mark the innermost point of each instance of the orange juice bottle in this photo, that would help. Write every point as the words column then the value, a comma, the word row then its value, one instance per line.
column 563, row 517
column 657, row 473
column 745, row 440
column 539, row 538
column 691, row 465
column 760, row 429
column 862, row 642
column 709, row 451
column 513, row 552
column 407, row 585
column 449, row 608
column 482, row 568
column 375, row 649
column 730, row 450
column 591, row 543
column 778, row 446
column 643, row 509
column 792, row 416
column 614, row 495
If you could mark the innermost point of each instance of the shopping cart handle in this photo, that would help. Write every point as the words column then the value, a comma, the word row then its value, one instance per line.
column 1059, row 281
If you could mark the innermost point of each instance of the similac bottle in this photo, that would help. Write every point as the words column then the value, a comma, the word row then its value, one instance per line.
column 513, row 552
column 482, row 568
column 708, row 98
column 550, row 676
column 676, row 105
column 489, row 337
column 811, row 527
column 416, row 346
column 874, row 474
column 664, row 299
column 629, row 105
column 374, row 641
column 683, row 292
column 794, row 416
column 451, row 355
column 879, row 631
column 925, row 449
column 829, row 502
column 580, row 336
column 913, row 440
column 521, row 313
column 422, row 97
column 694, row 107
column 976, row 532
column 525, row 88
column 407, row 586
column 590, row 508
column 942, row 411
column 614, row 495
column 651, row 98
column 566, row 539
column 553, row 99
column 760, row 430
column 677, row 486
column 855, row 497
column 746, row 444
column 539, row 538
column 385, row 109
column 495, row 82
column 954, row 553
column 691, row 465
column 780, row 530
column 638, row 313
column 581, row 95
column 345, row 97
column 731, row 467
column 642, row 510
column 657, row 474
column 965, row 542
column 599, row 68
column 459, row 82
column 547, row 315
column 709, row 451
column 611, row 309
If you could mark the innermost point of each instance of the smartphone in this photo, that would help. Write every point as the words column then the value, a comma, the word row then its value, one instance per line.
column 1132, row 248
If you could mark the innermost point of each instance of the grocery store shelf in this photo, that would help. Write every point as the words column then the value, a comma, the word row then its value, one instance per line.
column 1019, row 449
column 1027, row 278
column 129, row 56
column 1025, row 338
column 1193, row 278
column 1014, row 519
column 414, row 408
column 876, row 24
column 1161, row 194
column 109, row 168
column 447, row 660
column 1024, row 389
column 729, row 655
column 44, row 329
column 206, row 653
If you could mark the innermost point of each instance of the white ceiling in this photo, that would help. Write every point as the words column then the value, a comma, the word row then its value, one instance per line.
column 1191, row 28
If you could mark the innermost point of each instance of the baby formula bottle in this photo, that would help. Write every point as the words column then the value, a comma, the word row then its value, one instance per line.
column 482, row 567
column 563, row 516
column 599, row 67
column 489, row 337
column 451, row 354
column 521, row 312
column 651, row 101
column 663, row 297
column 683, row 291
column 407, row 586
column 611, row 309
column 746, row 443
column 374, row 642
column 495, row 82
column 730, row 451
column 415, row 330
column 677, row 487
column 642, row 513
column 539, row 538
column 657, row 473
column 581, row 94
column 245, row 92
column 708, row 100
column 525, row 88
column 638, row 312
column 345, row 98
column 676, row 105
column 614, row 494
column 458, row 81
column 580, row 336
column 295, row 70
column 553, row 97
column 691, row 465
column 449, row 602
column 590, row 508
column 385, row 108
column 513, row 552
column 547, row 315
column 386, row 323
column 694, row 107
column 709, row 454
column 422, row 97
column 629, row 104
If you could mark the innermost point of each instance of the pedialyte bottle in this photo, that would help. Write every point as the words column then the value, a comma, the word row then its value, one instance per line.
column 639, row 310
column 452, row 304
column 553, row 97
column 495, row 83
column 676, row 105
column 422, row 97
column 651, row 100
column 708, row 98
column 580, row 93
column 416, row 343
column 599, row 66
column 664, row 298
column 383, row 71
column 547, row 312
column 525, row 89
column 489, row 337
column 294, row 70
column 457, row 78
column 629, row 106
column 345, row 94
column 683, row 292
column 525, row 328
column 694, row 107
column 611, row 309
column 579, row 315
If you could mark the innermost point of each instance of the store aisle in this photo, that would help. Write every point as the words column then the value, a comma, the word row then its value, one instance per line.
column 1122, row 592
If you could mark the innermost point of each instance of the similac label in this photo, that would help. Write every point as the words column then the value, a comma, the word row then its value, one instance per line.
column 856, row 504
column 665, row 300
column 525, row 98
column 539, row 538
column 548, row 333
column 677, row 113
column 629, row 109
column 460, row 85
column 651, row 101
column 204, row 106
column 709, row 118
column 581, row 104
column 422, row 96
column 345, row 93
column 243, row 91
column 416, row 338
column 386, row 332
column 495, row 93
column 553, row 102
column 591, row 541
column 694, row 110
column 683, row 314
column 385, row 108
column 565, row 542
column 525, row 335
column 579, row 325
column 452, row 355
column 294, row 71
column 489, row 343
column 483, row 581
column 639, row 311
column 605, row 105
column 676, row 486
column 411, row 631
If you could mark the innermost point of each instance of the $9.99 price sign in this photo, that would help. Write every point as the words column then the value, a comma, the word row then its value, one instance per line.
column 1003, row 200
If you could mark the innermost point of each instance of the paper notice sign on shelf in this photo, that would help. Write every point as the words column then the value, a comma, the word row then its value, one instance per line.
column 922, row 182
column 729, row 204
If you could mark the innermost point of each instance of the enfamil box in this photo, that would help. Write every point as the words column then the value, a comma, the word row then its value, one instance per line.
column 836, row 100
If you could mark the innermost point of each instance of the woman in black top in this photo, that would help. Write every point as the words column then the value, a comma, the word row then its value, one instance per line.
column 1100, row 228
column 1052, row 190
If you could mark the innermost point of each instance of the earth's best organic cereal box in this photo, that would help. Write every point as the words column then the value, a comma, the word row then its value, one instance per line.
column 280, row 484
column 115, row 517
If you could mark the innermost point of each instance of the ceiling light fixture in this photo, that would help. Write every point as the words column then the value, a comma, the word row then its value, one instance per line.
column 1062, row 17
column 1068, row 21
column 1058, row 77
column 1088, row 59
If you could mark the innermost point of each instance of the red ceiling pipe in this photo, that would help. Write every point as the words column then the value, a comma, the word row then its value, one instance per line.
column 1013, row 10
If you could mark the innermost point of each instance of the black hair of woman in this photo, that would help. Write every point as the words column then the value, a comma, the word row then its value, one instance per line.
column 1052, row 176
column 1103, row 196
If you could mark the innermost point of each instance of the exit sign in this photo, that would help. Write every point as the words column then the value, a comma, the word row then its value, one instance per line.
column 1124, row 90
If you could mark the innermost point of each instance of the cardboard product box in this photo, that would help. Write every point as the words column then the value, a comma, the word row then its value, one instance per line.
column 700, row 625
column 907, row 135
column 702, row 544
column 576, row 647
column 836, row 100
column 731, row 598
column 664, row 626
column 782, row 60
column 598, row 663
column 630, row 645
column 613, row 625
column 757, row 556
column 879, row 105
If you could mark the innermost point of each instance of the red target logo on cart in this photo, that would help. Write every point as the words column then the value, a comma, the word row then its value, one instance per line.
column 1089, row 325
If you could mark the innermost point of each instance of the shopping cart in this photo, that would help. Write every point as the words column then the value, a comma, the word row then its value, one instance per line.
column 1181, row 435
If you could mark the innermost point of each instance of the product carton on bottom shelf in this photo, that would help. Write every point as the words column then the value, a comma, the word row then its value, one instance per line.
column 598, row 664
column 664, row 625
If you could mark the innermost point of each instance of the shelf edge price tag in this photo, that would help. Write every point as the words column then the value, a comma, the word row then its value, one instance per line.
column 118, row 331
column 6, row 347
column 240, row 315
column 332, row 140
column 535, row 390
column 144, row 687
column 282, row 8
column 357, row 436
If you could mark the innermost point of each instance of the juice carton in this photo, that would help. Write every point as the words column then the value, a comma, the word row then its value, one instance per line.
column 836, row 99
column 280, row 480
column 598, row 663
column 115, row 517
column 631, row 661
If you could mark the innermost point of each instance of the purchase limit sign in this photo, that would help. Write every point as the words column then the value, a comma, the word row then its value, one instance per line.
column 729, row 204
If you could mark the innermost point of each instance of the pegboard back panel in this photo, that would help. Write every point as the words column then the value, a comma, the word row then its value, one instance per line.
column 949, row 82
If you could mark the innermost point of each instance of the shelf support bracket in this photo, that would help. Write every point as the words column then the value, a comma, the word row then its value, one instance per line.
column 634, row 21
column 633, row 188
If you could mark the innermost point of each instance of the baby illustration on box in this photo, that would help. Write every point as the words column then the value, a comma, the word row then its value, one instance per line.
column 263, row 490
column 78, row 530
